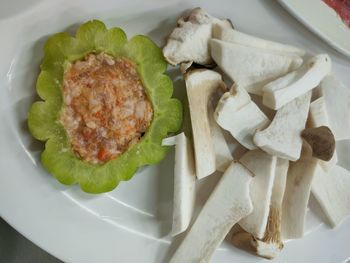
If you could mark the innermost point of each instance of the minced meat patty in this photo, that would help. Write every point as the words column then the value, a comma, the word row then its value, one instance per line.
column 106, row 109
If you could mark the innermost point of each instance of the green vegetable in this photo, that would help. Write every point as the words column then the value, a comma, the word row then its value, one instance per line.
column 58, row 158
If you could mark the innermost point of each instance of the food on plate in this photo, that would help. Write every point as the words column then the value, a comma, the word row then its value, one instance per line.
column 239, row 115
column 303, row 100
column 184, row 182
column 336, row 97
column 271, row 244
column 106, row 106
column 282, row 137
column 283, row 90
column 262, row 165
column 321, row 140
column 223, row 155
column 342, row 8
column 200, row 86
column 227, row 34
column 318, row 114
column 252, row 67
column 188, row 42
column 222, row 210
column 297, row 193
column 106, row 109
column 331, row 190
column 318, row 117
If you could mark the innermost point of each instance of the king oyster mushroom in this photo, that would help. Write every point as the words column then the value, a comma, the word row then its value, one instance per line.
column 337, row 100
column 184, row 182
column 223, row 156
column 271, row 244
column 227, row 34
column 282, row 137
column 201, row 84
column 228, row 203
column 262, row 165
column 297, row 193
column 252, row 67
column 284, row 89
column 331, row 190
column 318, row 117
column 189, row 41
column 321, row 140
column 239, row 115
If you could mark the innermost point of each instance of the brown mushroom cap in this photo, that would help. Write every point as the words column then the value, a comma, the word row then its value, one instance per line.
column 321, row 140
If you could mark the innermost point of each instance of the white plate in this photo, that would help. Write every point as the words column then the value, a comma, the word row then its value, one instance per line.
column 323, row 21
column 130, row 223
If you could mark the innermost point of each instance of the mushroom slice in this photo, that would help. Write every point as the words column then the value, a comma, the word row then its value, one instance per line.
column 318, row 114
column 318, row 117
column 231, row 35
column 283, row 90
column 262, row 165
column 297, row 193
column 282, row 137
column 184, row 182
column 251, row 67
column 201, row 84
column 228, row 203
column 223, row 156
column 188, row 42
column 321, row 140
column 239, row 115
column 331, row 190
column 271, row 244
column 337, row 99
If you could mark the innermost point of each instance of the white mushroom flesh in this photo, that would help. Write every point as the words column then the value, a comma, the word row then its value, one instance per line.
column 282, row 137
column 297, row 193
column 188, row 42
column 331, row 190
column 337, row 99
column 262, row 165
column 200, row 86
column 228, row 203
column 251, row 67
column 285, row 89
column 232, row 35
column 184, row 182
column 318, row 117
column 223, row 156
column 239, row 115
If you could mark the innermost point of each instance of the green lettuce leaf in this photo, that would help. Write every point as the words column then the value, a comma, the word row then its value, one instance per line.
column 57, row 157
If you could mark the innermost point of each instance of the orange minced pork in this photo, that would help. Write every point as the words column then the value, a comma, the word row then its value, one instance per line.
column 106, row 109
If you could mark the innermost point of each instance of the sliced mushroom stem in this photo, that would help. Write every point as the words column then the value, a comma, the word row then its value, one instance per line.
column 239, row 115
column 296, row 196
column 228, row 203
column 271, row 244
column 318, row 116
column 188, row 42
column 263, row 166
column 184, row 182
column 331, row 190
column 231, row 35
column 285, row 89
column 336, row 98
column 251, row 67
column 282, row 137
column 201, row 84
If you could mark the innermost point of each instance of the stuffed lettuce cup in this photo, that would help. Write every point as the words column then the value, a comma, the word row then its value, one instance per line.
column 106, row 106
